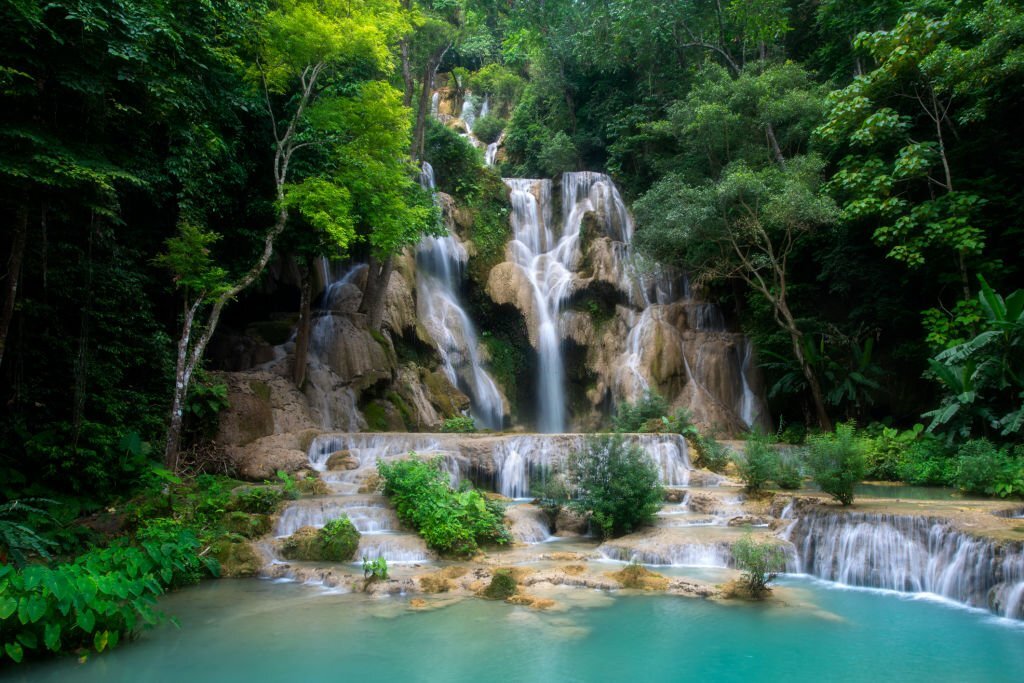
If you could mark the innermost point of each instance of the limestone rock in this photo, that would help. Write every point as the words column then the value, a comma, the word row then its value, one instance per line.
column 357, row 358
column 571, row 523
column 444, row 396
column 249, row 415
column 399, row 306
column 261, row 459
column 237, row 557
column 346, row 299
column 342, row 460
column 507, row 284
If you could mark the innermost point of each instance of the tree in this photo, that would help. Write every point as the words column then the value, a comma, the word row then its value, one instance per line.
column 760, row 563
column 616, row 483
column 306, row 49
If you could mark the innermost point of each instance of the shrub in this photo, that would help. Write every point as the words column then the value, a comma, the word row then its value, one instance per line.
column 459, row 425
column 928, row 461
column 557, row 155
column 984, row 468
column 375, row 569
column 451, row 522
column 759, row 562
column 788, row 471
column 837, row 462
column 501, row 587
column 631, row 417
column 757, row 463
column 17, row 536
column 712, row 454
column 488, row 129
column 618, row 484
column 258, row 500
column 887, row 450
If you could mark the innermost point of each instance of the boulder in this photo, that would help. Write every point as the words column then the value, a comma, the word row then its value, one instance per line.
column 342, row 460
column 237, row 557
column 443, row 395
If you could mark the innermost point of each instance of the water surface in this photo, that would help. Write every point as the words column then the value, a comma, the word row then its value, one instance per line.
column 251, row 630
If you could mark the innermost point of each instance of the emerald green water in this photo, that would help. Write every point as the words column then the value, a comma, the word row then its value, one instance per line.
column 256, row 631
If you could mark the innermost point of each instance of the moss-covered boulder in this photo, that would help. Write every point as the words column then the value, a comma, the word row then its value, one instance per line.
column 237, row 557
column 246, row 524
column 501, row 587
column 444, row 396
column 342, row 460
column 337, row 541
column 639, row 577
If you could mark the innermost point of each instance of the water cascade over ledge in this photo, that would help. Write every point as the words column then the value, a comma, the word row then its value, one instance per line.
column 910, row 554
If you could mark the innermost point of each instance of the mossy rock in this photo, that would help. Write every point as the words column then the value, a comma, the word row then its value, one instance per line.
column 639, row 577
column 443, row 396
column 246, row 524
column 501, row 587
column 237, row 557
column 383, row 416
column 312, row 485
column 337, row 541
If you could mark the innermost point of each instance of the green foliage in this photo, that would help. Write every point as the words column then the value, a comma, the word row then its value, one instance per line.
column 983, row 378
column 558, row 155
column 207, row 397
column 259, row 500
column 928, row 461
column 17, row 537
column 488, row 128
column 632, row 417
column 987, row 469
column 100, row 599
column 375, row 570
column 760, row 563
column 712, row 454
column 289, row 486
column 459, row 425
column 491, row 229
column 757, row 463
column 887, row 451
column 451, row 522
column 789, row 471
column 338, row 540
column 501, row 587
column 837, row 462
column 455, row 160
column 617, row 484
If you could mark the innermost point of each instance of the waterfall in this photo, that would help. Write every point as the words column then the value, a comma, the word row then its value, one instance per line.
column 485, row 108
column 491, row 154
column 439, row 271
column 911, row 554
column 468, row 114
column 435, row 103
column 510, row 462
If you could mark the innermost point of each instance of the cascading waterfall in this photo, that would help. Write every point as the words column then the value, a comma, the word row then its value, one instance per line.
column 511, row 462
column 439, row 270
column 910, row 554
column 468, row 113
column 435, row 103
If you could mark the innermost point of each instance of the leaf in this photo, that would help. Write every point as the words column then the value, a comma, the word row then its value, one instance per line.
column 28, row 639
column 8, row 606
column 51, row 636
column 100, row 640
column 14, row 651
column 86, row 620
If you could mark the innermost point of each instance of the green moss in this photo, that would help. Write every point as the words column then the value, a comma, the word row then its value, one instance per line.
column 237, row 557
column 337, row 541
column 501, row 587
column 491, row 229
column 507, row 361
column 246, row 524
column 403, row 408
column 261, row 389
column 376, row 417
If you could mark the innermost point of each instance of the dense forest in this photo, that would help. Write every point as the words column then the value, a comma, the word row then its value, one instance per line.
column 842, row 176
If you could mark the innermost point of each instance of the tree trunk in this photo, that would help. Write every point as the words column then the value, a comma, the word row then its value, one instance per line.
column 377, row 278
column 13, row 275
column 182, row 378
column 302, row 336
column 419, row 132
column 773, row 143
column 796, row 337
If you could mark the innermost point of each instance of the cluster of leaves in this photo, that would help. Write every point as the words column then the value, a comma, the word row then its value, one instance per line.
column 452, row 522
column 458, row 425
column 617, row 484
column 501, row 587
column 103, row 597
column 488, row 128
column 375, row 570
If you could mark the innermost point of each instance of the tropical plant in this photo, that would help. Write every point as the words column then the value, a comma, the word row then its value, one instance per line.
column 16, row 536
column 983, row 378
column 615, row 483
column 375, row 570
column 461, row 424
column 634, row 416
